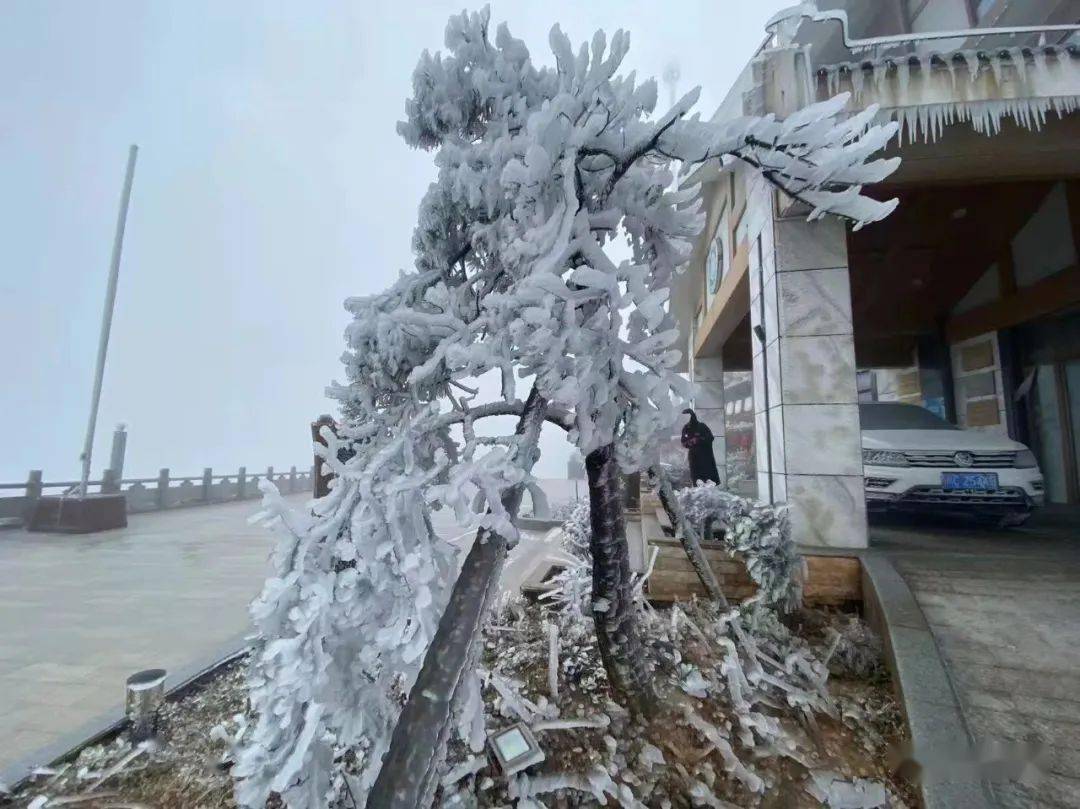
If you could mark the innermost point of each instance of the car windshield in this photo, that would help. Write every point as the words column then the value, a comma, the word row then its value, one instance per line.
column 890, row 416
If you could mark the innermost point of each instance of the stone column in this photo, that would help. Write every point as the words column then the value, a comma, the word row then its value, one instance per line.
column 709, row 405
column 805, row 399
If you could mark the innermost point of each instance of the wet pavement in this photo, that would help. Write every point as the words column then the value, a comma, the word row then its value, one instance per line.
column 1004, row 609
column 79, row 613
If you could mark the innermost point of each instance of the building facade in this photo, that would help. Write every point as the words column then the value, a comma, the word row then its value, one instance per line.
column 966, row 300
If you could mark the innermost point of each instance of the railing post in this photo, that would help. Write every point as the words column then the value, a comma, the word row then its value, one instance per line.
column 163, row 488
column 33, row 493
column 207, row 482
column 292, row 479
column 241, row 483
column 33, row 485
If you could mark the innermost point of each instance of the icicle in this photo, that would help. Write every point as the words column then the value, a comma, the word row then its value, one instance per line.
column 971, row 59
column 832, row 79
column 470, row 766
column 903, row 77
column 950, row 65
column 570, row 723
column 732, row 764
column 1019, row 61
column 985, row 116
column 858, row 81
column 470, row 718
column 881, row 69
column 997, row 65
column 908, row 117
column 1038, row 58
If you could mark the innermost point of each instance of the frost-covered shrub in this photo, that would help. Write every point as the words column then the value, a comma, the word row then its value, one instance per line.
column 854, row 649
column 757, row 533
column 570, row 590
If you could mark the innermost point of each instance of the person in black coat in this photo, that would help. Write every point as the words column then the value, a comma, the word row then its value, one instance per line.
column 697, row 439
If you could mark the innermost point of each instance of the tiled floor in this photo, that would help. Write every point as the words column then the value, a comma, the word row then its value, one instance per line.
column 78, row 614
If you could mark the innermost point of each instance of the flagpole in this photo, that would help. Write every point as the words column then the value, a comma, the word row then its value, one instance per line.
column 106, row 319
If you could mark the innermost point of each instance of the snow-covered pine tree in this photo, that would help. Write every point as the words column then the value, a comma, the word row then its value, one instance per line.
column 540, row 169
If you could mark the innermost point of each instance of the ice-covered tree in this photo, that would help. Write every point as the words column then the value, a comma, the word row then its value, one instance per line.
column 540, row 170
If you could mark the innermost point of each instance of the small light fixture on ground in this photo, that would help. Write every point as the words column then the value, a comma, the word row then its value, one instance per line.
column 515, row 748
column 145, row 694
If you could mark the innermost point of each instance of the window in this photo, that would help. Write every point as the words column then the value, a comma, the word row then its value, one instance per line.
column 894, row 416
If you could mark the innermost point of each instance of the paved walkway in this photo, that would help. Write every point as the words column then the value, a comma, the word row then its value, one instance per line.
column 1004, row 608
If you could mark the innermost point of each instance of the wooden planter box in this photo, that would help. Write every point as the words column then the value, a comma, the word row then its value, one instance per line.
column 830, row 580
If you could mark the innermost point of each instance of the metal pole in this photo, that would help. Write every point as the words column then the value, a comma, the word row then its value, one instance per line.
column 106, row 318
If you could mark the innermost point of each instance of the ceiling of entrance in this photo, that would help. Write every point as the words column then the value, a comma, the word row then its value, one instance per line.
column 910, row 271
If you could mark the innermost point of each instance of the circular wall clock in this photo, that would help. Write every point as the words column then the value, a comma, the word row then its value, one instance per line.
column 714, row 265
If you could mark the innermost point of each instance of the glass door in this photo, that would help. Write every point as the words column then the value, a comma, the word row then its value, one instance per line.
column 1055, row 417
column 1047, row 417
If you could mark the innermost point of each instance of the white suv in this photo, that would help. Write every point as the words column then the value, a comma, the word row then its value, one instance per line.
column 915, row 461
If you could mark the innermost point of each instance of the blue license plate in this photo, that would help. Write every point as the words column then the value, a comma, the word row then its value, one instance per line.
column 969, row 481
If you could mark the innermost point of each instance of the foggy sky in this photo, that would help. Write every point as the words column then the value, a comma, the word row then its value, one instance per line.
column 270, row 185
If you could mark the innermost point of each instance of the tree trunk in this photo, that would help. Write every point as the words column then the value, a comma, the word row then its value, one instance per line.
column 687, row 536
column 612, row 598
column 410, row 770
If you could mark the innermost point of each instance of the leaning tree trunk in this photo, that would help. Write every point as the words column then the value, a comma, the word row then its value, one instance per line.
column 687, row 536
column 410, row 768
column 612, row 596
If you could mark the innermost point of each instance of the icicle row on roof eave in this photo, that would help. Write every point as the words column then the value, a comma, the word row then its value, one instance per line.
column 985, row 116
column 1045, row 66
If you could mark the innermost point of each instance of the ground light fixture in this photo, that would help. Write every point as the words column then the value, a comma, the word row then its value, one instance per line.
column 515, row 748
column 145, row 693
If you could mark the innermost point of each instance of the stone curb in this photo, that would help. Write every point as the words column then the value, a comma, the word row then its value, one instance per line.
column 926, row 692
column 111, row 723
